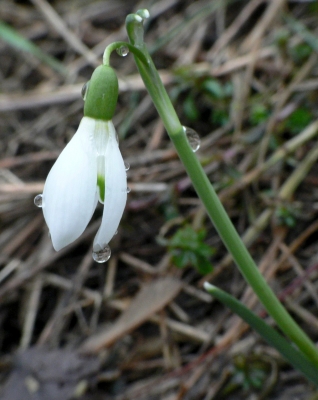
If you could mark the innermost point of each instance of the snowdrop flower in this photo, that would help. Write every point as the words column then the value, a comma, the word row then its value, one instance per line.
column 90, row 168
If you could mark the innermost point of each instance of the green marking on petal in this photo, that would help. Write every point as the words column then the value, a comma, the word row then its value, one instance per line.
column 101, row 187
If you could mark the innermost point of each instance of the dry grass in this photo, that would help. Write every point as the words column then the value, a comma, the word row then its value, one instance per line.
column 244, row 75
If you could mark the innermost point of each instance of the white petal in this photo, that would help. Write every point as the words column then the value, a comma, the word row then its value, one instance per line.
column 70, row 189
column 115, row 191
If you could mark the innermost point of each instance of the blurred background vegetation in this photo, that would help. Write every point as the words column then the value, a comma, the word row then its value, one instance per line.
column 244, row 75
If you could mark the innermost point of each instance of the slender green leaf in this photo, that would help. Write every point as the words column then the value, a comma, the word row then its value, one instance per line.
column 290, row 353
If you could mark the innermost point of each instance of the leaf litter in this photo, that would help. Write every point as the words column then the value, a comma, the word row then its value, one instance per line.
column 244, row 75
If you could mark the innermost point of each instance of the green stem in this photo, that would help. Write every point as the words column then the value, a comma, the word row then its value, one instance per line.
column 208, row 196
column 117, row 45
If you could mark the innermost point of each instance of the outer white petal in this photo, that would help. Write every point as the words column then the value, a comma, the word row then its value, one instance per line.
column 115, row 191
column 70, row 189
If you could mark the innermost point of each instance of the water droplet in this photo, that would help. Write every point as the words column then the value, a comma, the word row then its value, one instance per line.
column 84, row 90
column 193, row 138
column 128, row 190
column 38, row 200
column 127, row 165
column 122, row 51
column 102, row 255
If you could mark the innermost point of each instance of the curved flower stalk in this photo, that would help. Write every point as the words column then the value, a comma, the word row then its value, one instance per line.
column 90, row 168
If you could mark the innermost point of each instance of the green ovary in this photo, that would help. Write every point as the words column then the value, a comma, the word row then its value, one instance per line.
column 101, row 187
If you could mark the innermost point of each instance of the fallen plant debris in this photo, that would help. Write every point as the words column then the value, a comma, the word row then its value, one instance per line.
column 244, row 75
column 41, row 373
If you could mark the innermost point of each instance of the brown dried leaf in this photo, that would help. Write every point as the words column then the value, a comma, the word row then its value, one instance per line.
column 150, row 299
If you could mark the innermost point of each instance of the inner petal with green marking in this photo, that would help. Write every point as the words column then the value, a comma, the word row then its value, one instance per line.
column 101, row 178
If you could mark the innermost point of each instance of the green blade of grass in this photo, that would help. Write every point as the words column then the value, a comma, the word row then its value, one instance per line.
column 295, row 357
column 15, row 40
